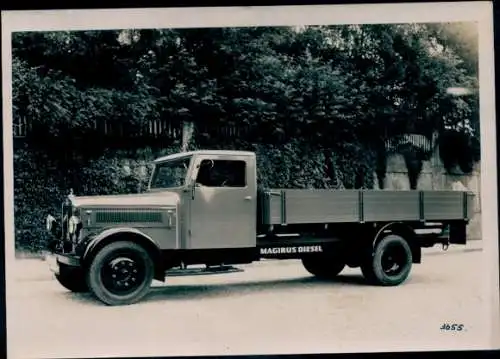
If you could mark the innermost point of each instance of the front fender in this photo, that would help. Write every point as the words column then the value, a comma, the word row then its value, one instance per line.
column 95, row 241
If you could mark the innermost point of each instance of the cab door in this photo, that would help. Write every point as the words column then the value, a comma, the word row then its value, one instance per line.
column 223, row 203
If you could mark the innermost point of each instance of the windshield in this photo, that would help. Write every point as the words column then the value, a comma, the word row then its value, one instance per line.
column 171, row 173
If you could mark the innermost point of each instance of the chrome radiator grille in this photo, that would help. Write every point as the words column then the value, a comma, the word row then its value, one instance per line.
column 128, row 216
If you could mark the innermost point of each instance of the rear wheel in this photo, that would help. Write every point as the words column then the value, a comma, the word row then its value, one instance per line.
column 121, row 273
column 323, row 266
column 72, row 279
column 390, row 263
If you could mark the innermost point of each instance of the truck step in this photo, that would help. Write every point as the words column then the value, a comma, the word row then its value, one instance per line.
column 179, row 272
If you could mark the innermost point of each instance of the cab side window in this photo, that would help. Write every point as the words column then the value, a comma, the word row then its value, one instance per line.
column 222, row 173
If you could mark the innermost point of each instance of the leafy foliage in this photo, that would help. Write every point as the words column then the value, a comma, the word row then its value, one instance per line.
column 41, row 186
column 323, row 83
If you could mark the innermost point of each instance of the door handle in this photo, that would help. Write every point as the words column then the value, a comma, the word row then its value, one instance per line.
column 248, row 198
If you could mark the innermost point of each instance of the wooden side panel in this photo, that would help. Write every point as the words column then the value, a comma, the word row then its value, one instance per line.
column 391, row 206
column 443, row 205
column 471, row 205
column 275, row 203
column 315, row 206
column 292, row 206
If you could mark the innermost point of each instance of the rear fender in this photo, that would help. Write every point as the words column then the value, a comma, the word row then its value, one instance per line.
column 403, row 230
column 110, row 235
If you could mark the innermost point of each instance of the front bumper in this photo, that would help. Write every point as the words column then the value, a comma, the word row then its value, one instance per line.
column 51, row 260
column 55, row 260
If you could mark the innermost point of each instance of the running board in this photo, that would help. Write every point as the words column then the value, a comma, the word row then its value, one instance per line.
column 179, row 272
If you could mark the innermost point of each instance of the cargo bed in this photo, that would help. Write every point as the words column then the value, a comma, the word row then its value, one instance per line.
column 299, row 206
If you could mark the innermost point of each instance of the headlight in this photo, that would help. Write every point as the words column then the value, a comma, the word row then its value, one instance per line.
column 73, row 224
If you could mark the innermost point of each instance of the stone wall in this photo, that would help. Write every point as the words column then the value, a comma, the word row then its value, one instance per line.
column 434, row 177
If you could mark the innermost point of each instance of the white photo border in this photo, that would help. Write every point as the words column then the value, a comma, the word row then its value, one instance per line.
column 477, row 11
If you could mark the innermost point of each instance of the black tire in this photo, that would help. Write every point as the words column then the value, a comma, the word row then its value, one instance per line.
column 72, row 279
column 390, row 263
column 323, row 266
column 121, row 273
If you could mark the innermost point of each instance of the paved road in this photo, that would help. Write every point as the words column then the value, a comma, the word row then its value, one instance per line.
column 271, row 307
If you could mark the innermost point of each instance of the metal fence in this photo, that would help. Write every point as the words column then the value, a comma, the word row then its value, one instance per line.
column 415, row 140
column 168, row 130
column 160, row 128
column 20, row 127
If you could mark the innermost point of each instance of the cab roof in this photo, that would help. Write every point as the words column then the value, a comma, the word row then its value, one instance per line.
column 204, row 152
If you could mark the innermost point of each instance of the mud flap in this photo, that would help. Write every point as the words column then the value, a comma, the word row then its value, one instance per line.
column 458, row 233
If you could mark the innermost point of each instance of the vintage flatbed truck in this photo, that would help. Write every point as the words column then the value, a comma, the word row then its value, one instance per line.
column 204, row 208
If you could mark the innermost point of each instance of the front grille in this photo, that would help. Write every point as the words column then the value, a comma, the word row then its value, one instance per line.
column 128, row 216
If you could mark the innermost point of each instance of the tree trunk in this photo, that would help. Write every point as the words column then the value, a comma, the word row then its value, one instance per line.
column 187, row 135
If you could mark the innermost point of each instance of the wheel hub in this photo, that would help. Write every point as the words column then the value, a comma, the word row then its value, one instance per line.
column 393, row 260
column 122, row 274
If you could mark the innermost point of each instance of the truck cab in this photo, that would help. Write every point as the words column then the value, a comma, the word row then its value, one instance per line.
column 200, row 208
column 218, row 196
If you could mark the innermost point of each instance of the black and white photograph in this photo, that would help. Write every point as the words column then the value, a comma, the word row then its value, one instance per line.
column 250, row 180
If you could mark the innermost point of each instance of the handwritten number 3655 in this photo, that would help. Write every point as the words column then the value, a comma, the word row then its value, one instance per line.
column 452, row 327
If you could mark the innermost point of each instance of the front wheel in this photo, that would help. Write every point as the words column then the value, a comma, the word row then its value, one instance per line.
column 72, row 279
column 390, row 263
column 121, row 273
